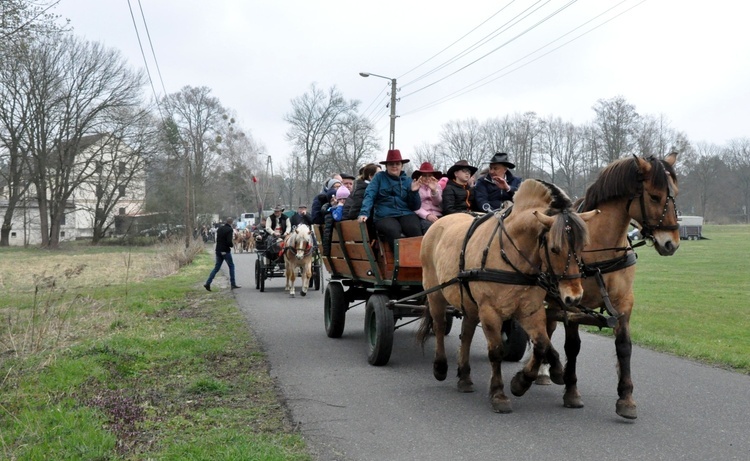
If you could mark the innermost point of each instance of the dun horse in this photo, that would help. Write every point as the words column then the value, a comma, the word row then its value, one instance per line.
column 508, row 260
column 298, row 253
column 639, row 189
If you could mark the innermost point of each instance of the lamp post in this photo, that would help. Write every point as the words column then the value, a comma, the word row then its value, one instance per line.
column 393, row 105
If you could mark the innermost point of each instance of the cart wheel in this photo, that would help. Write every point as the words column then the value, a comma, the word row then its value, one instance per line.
column 263, row 275
column 515, row 341
column 257, row 274
column 334, row 309
column 448, row 323
column 379, row 327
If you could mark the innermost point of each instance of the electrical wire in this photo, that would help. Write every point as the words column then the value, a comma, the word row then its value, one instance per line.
column 474, row 86
column 151, row 44
column 145, row 61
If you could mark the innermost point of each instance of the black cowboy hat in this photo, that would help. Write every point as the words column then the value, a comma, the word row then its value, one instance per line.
column 278, row 208
column 502, row 157
column 460, row 165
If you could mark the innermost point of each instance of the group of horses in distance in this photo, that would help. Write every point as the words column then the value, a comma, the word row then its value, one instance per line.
column 244, row 240
column 544, row 249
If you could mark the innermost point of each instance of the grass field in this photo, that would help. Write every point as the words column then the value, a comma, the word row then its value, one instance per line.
column 696, row 303
column 119, row 354
column 104, row 356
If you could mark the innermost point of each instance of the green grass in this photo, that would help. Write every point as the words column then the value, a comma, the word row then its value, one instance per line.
column 153, row 369
column 696, row 303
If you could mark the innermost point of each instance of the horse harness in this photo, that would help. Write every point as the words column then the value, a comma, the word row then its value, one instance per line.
column 547, row 280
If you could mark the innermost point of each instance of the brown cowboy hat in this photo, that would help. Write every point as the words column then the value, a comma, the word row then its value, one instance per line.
column 460, row 165
column 502, row 157
column 425, row 168
column 394, row 155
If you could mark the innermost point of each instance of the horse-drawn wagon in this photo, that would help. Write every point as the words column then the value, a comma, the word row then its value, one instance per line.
column 271, row 262
column 362, row 268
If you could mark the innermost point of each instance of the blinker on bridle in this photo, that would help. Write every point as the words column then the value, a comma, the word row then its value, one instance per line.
column 647, row 230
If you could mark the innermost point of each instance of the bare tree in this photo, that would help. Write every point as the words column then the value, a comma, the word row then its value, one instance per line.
column 616, row 120
column 462, row 140
column 352, row 143
column 524, row 132
column 427, row 152
column 75, row 87
column 737, row 157
column 705, row 173
column 561, row 154
column 313, row 118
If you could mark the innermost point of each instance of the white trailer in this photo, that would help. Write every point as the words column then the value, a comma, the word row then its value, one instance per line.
column 691, row 227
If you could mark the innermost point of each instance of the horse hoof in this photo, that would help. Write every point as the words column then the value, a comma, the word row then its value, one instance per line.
column 519, row 385
column 626, row 409
column 572, row 401
column 501, row 405
column 440, row 370
column 304, row 293
column 543, row 380
column 465, row 386
column 556, row 376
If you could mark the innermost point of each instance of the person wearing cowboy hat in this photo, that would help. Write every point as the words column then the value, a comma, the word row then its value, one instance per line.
column 430, row 193
column 392, row 198
column 497, row 186
column 457, row 193
column 278, row 224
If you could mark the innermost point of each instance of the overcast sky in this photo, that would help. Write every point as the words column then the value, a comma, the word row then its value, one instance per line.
column 688, row 60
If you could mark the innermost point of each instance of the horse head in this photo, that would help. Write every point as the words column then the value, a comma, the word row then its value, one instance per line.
column 561, row 244
column 300, row 241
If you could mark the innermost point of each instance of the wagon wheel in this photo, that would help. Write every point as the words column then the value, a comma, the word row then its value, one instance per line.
column 257, row 274
column 263, row 274
column 334, row 309
column 379, row 327
column 317, row 275
column 515, row 341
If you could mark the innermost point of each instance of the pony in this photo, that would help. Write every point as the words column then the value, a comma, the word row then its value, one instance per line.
column 638, row 189
column 513, row 257
column 298, row 253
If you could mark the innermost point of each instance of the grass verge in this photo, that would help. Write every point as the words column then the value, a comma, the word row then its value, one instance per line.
column 99, row 365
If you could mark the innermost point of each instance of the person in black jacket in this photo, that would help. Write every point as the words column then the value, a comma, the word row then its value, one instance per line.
column 457, row 193
column 224, row 243
column 498, row 185
column 354, row 203
column 301, row 217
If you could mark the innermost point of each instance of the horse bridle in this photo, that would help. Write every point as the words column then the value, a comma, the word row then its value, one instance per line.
column 647, row 230
column 308, row 247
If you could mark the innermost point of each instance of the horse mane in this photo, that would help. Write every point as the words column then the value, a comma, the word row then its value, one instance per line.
column 620, row 179
column 538, row 193
column 534, row 193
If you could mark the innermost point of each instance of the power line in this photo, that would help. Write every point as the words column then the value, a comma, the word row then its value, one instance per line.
column 474, row 86
column 537, row 24
column 145, row 61
column 151, row 44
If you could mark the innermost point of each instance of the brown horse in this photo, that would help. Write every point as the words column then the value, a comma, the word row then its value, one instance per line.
column 514, row 254
column 639, row 189
column 298, row 253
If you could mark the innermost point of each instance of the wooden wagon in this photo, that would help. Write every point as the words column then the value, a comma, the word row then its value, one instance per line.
column 389, row 282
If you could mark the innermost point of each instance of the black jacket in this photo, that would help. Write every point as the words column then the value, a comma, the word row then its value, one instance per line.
column 224, row 239
column 354, row 202
column 456, row 198
column 298, row 219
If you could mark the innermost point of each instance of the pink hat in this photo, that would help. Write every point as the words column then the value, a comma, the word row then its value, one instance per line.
column 342, row 192
column 394, row 155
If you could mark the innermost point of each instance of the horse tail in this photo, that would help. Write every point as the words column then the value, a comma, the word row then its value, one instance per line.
column 425, row 328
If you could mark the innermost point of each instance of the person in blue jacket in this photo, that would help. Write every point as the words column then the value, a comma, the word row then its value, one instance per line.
column 391, row 199
column 497, row 186
column 322, row 199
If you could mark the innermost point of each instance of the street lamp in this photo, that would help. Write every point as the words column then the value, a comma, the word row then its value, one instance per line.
column 393, row 105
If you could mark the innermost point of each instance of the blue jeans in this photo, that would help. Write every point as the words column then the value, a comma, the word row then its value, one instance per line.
column 220, row 258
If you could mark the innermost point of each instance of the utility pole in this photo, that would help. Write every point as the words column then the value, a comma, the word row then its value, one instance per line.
column 392, row 141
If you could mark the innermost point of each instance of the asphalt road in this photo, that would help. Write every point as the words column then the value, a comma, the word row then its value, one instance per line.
column 349, row 410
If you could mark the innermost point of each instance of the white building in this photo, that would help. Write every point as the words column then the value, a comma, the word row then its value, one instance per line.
column 113, row 162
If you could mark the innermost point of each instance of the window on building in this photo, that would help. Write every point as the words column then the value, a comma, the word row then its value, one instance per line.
column 62, row 234
column 123, row 168
column 122, row 191
column 12, row 235
column 122, row 211
column 62, row 220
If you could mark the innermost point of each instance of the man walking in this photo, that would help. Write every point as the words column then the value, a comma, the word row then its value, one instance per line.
column 224, row 243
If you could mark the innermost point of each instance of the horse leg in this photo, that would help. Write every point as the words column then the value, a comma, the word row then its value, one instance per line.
column 306, row 275
column 535, row 326
column 468, row 328
column 492, row 328
column 625, row 406
column 290, row 277
column 572, row 398
column 437, row 306
column 543, row 379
